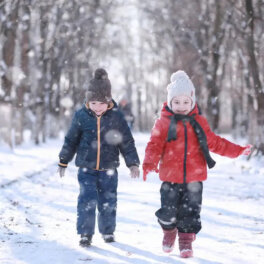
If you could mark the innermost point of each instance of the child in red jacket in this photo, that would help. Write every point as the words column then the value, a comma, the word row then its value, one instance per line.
column 180, row 143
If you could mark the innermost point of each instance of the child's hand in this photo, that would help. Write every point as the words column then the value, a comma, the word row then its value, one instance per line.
column 147, row 168
column 61, row 171
column 247, row 150
column 134, row 171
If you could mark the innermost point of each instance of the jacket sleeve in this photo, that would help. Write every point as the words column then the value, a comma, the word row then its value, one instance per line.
column 220, row 145
column 71, row 142
column 155, row 146
column 127, row 145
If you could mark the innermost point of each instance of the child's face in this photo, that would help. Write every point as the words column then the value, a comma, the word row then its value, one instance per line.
column 181, row 104
column 98, row 107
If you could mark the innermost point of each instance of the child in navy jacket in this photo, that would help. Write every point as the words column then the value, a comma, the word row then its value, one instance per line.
column 97, row 134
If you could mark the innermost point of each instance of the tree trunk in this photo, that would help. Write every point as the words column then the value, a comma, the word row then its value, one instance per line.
column 21, row 63
column 6, row 123
column 254, row 69
column 212, row 81
column 9, row 28
column 139, row 105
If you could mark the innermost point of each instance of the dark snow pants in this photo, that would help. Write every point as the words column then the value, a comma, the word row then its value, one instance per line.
column 97, row 189
column 181, row 206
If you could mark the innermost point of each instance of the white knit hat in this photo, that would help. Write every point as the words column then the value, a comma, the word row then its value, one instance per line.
column 180, row 84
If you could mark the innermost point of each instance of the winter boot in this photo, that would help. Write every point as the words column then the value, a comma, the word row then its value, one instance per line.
column 86, row 240
column 109, row 238
column 169, row 239
column 185, row 244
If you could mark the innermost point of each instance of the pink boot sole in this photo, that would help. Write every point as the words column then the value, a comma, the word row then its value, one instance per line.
column 186, row 253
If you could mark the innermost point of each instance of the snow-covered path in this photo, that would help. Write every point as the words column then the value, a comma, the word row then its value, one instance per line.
column 38, row 215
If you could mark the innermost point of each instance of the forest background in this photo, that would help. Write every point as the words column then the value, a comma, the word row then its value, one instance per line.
column 49, row 50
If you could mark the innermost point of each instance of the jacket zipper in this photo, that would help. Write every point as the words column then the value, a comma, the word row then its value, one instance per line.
column 185, row 152
column 98, row 142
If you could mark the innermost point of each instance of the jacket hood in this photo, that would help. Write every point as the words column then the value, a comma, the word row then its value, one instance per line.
column 166, row 111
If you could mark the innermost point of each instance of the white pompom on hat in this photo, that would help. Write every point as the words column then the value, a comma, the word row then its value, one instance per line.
column 180, row 84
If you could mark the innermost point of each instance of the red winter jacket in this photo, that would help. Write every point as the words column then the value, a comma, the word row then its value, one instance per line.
column 182, row 158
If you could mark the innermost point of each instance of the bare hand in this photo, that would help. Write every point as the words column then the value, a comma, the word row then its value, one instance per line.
column 61, row 171
column 247, row 150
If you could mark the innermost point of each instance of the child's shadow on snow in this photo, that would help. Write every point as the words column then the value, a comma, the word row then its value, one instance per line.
column 126, row 258
column 170, row 258
column 147, row 254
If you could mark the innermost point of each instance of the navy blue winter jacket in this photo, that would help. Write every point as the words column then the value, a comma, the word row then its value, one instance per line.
column 98, row 140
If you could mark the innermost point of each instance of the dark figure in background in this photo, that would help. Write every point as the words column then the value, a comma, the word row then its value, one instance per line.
column 125, row 107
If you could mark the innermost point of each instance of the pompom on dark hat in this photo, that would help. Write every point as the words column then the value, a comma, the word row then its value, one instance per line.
column 99, row 88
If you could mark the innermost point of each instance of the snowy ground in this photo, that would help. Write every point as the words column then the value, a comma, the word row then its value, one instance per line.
column 38, row 213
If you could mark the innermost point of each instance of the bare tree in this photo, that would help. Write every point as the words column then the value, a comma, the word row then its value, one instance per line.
column 48, row 51
column 248, row 27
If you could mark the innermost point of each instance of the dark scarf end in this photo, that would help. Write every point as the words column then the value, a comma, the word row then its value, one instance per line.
column 211, row 164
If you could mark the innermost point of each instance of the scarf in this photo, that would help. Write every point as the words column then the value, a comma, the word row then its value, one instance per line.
column 172, row 134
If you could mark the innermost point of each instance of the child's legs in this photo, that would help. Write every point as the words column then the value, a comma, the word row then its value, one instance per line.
column 107, row 201
column 169, row 195
column 188, row 216
column 87, row 201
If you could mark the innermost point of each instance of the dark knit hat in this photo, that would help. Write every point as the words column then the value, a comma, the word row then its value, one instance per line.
column 99, row 88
